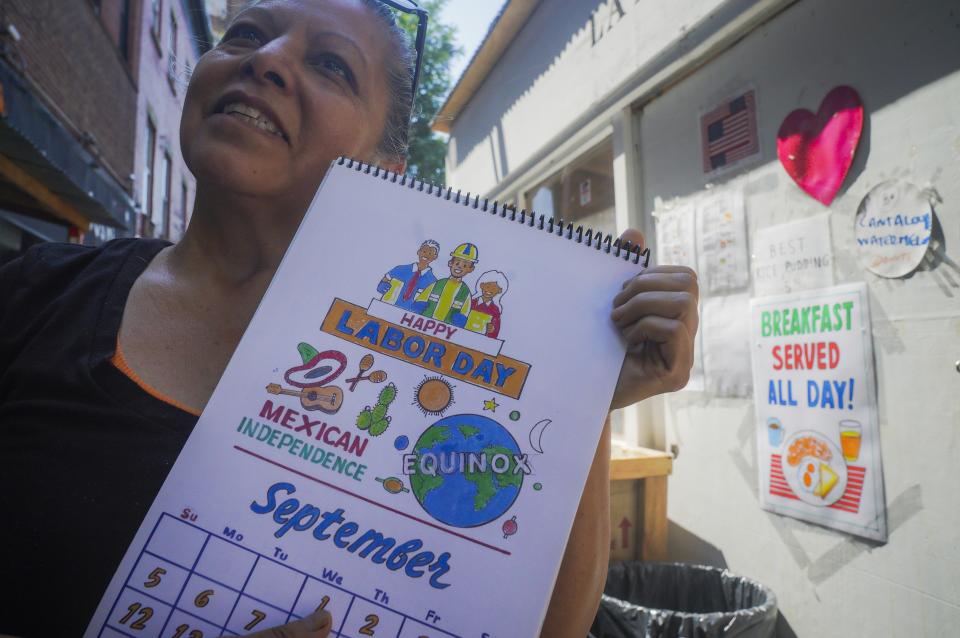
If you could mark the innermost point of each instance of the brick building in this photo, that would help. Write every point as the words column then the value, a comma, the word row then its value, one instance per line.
column 88, row 86
column 174, row 34
column 66, row 131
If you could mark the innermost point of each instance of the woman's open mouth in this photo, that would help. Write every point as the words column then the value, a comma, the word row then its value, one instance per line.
column 253, row 116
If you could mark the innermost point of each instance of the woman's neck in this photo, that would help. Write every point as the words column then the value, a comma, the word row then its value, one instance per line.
column 233, row 242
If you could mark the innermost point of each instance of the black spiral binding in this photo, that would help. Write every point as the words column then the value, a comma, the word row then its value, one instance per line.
column 580, row 235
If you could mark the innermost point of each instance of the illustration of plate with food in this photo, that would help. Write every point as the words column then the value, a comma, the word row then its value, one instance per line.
column 814, row 468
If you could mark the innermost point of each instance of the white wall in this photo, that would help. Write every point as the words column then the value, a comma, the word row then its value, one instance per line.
column 904, row 59
column 569, row 56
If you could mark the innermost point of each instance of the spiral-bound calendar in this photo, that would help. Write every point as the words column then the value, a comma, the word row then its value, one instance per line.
column 403, row 433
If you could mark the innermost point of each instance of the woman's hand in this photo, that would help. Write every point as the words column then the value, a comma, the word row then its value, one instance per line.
column 656, row 312
column 316, row 625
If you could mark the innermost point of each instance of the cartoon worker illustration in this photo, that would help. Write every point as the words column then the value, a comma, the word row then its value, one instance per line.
column 448, row 299
column 403, row 283
column 486, row 307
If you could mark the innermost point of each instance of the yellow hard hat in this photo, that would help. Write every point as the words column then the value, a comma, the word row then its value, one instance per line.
column 467, row 252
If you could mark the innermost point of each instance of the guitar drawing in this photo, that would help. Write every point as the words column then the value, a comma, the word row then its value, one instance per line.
column 326, row 399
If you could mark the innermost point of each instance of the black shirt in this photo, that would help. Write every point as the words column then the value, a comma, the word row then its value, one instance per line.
column 83, row 449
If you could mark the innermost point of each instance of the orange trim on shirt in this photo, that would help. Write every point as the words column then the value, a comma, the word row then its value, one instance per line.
column 120, row 363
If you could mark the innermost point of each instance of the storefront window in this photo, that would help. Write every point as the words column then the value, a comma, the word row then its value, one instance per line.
column 581, row 193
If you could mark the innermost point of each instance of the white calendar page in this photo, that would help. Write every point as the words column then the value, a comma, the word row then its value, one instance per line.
column 401, row 437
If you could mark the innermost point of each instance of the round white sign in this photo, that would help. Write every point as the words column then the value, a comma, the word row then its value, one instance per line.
column 893, row 228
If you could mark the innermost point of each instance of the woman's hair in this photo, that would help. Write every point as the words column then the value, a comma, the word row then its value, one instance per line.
column 396, row 132
column 492, row 276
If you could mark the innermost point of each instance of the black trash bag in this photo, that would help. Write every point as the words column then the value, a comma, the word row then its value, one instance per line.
column 664, row 600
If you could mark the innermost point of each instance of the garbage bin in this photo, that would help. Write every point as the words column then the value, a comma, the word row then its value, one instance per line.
column 664, row 600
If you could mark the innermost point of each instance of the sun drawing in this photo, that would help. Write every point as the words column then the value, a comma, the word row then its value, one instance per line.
column 433, row 396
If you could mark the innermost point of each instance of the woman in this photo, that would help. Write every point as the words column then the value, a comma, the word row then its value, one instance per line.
column 108, row 355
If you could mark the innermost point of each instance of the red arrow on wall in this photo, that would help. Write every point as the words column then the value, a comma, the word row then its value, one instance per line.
column 625, row 526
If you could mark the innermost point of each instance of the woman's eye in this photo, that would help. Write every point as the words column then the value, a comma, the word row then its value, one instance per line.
column 243, row 34
column 333, row 64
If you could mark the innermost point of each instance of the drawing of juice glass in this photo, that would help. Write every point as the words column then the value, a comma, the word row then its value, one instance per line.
column 393, row 293
column 850, row 436
column 774, row 431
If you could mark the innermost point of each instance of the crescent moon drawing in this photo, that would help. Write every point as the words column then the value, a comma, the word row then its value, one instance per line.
column 536, row 435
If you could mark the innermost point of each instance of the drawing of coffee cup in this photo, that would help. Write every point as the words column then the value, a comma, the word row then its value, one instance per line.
column 774, row 431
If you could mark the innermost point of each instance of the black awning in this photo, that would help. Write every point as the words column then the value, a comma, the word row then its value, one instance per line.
column 46, row 231
column 32, row 137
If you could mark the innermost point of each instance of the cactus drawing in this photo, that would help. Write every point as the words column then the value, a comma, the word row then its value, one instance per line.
column 374, row 419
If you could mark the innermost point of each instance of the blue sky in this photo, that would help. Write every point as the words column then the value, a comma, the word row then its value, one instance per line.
column 472, row 19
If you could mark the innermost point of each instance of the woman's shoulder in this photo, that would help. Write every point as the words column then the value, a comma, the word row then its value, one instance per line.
column 48, row 258
column 48, row 270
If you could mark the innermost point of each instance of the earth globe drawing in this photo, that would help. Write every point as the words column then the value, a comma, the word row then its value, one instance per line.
column 450, row 479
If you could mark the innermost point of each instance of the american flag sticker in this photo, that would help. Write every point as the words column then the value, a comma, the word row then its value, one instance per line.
column 729, row 132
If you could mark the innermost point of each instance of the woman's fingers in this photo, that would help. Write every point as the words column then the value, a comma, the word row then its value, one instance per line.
column 660, row 330
column 316, row 625
column 635, row 237
column 656, row 312
column 680, row 305
column 669, row 278
column 667, row 291
column 674, row 345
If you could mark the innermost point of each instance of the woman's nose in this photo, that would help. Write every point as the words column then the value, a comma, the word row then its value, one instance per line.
column 271, row 63
column 276, row 78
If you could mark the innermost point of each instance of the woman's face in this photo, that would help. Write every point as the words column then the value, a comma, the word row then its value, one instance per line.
column 293, row 85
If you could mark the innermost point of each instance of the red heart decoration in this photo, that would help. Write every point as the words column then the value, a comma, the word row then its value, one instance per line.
column 817, row 150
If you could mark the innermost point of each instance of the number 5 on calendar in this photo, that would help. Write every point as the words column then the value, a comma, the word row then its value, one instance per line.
column 154, row 578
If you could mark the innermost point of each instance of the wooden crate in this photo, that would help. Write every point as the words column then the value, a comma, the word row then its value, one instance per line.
column 638, row 503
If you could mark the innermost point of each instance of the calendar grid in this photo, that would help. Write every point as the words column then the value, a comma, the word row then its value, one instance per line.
column 143, row 593
column 212, row 580
column 245, row 581
column 344, row 619
column 186, row 580
column 299, row 594
column 122, row 633
column 126, row 581
column 185, row 540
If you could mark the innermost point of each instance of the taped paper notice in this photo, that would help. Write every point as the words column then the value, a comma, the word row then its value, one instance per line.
column 893, row 228
column 793, row 256
column 677, row 246
column 726, row 345
column 722, row 243
column 676, row 236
